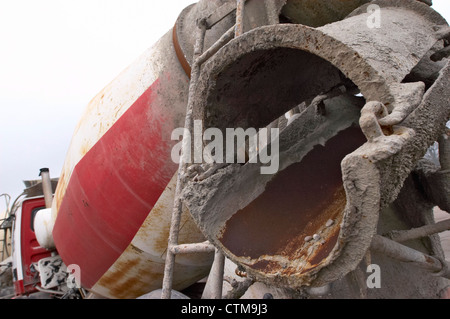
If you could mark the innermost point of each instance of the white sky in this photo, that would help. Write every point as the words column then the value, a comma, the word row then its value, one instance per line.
column 55, row 56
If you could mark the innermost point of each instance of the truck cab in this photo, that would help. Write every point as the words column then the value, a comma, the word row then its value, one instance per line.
column 26, row 250
column 36, row 268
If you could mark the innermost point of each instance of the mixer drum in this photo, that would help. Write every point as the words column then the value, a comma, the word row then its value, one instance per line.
column 113, row 204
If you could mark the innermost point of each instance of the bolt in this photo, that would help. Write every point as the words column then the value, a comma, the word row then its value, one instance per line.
column 308, row 238
column 316, row 237
column 329, row 223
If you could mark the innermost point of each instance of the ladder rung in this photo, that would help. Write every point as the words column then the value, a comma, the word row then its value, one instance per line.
column 204, row 247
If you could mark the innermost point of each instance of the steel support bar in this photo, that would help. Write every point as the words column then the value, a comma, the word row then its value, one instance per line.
column 214, row 284
column 224, row 39
column 408, row 255
column 217, row 277
column 272, row 14
column 239, row 288
column 240, row 17
column 415, row 233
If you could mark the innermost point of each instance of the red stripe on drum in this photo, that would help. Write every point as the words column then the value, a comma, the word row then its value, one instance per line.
column 114, row 187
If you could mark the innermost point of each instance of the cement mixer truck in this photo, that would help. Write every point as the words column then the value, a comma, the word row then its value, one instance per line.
column 260, row 149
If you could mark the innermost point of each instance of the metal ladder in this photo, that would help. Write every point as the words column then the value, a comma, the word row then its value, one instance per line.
column 200, row 57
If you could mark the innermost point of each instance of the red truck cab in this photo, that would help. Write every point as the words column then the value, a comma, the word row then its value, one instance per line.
column 26, row 249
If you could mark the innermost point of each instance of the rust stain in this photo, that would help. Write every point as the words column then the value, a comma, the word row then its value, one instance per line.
column 84, row 149
column 387, row 130
column 428, row 259
column 156, row 228
column 332, row 211
column 116, row 280
column 60, row 190
column 179, row 53
column 137, row 272
column 268, row 266
column 136, row 249
column 297, row 203
column 298, row 249
column 324, row 250
column 140, row 268
column 157, row 218
column 129, row 277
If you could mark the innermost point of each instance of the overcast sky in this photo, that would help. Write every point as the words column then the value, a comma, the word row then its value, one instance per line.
column 55, row 56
